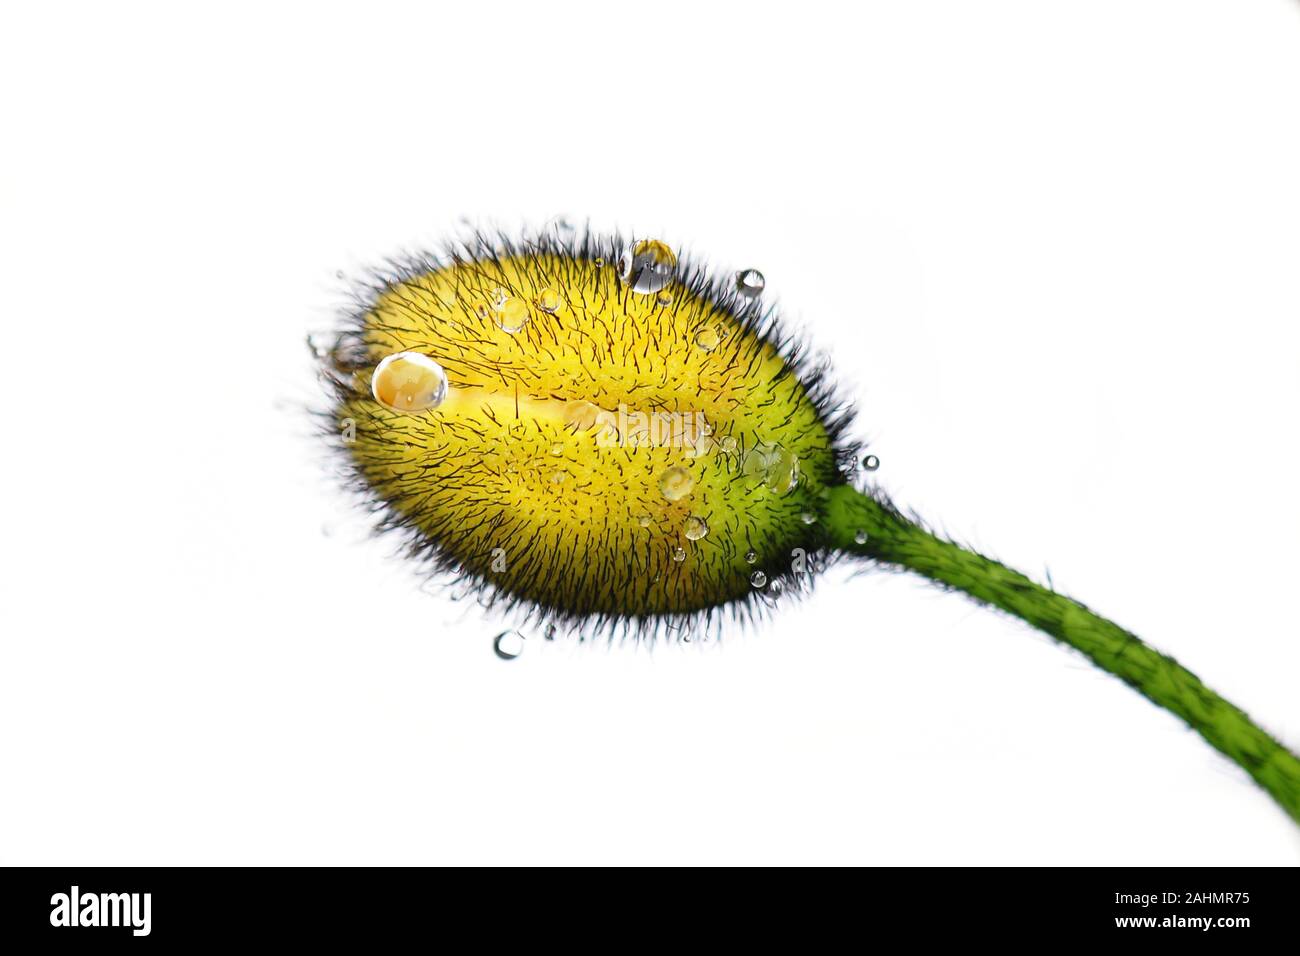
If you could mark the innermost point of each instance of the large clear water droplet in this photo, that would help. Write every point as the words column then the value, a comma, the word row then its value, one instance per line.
column 751, row 556
column 647, row 265
column 696, row 528
column 409, row 382
column 871, row 463
column 758, row 579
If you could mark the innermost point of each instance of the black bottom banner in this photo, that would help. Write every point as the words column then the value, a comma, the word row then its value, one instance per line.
column 136, row 907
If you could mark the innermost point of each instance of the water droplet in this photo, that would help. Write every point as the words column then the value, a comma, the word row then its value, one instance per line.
column 600, row 261
column 558, row 476
column 871, row 463
column 676, row 483
column 664, row 298
column 750, row 283
column 860, row 537
column 409, row 382
column 754, row 464
column 807, row 517
column 782, row 471
column 643, row 521
column 508, row 645
column 580, row 415
column 758, row 579
column 511, row 313
column 548, row 300
column 679, row 553
column 557, row 449
column 647, row 265
column 751, row 556
column 727, row 445
column 707, row 339
column 696, row 528
column 549, row 633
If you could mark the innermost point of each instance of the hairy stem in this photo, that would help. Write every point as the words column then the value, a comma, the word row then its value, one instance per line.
column 890, row 537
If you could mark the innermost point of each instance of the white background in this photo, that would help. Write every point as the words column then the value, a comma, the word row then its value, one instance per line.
column 1053, row 248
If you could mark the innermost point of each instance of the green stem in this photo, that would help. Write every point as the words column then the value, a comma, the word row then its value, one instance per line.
column 892, row 538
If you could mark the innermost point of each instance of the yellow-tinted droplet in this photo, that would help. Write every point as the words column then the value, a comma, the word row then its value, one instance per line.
column 727, row 445
column 512, row 314
column 696, row 528
column 707, row 338
column 557, row 449
column 580, row 415
column 409, row 382
column 664, row 298
column 679, row 553
column 676, row 483
column 548, row 300
column 643, row 521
